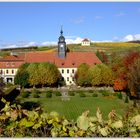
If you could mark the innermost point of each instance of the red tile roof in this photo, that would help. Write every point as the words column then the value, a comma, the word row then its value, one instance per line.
column 13, row 58
column 85, row 40
column 72, row 60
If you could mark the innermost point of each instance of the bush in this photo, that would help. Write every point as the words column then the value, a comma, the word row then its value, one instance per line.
column 126, row 99
column 90, row 91
column 25, row 94
column 71, row 93
column 49, row 94
column 94, row 95
column 36, row 91
column 105, row 92
column 57, row 93
column 35, row 95
column 81, row 94
column 119, row 95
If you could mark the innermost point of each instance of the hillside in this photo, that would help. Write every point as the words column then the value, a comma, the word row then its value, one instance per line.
column 120, row 47
column 110, row 47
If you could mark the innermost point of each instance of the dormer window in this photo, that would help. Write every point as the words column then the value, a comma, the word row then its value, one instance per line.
column 12, row 64
column 62, row 63
column 73, row 63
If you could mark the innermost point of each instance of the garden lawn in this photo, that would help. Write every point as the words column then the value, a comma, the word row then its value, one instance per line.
column 77, row 105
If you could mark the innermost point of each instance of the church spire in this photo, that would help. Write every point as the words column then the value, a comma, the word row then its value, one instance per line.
column 61, row 32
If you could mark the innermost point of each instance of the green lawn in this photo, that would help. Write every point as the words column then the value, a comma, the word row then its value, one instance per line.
column 76, row 105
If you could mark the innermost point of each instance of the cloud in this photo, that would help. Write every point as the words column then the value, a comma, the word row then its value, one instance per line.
column 77, row 40
column 79, row 20
column 48, row 43
column 120, row 14
column 98, row 17
column 131, row 37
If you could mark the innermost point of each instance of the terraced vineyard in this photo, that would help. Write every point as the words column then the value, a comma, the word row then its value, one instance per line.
column 118, row 47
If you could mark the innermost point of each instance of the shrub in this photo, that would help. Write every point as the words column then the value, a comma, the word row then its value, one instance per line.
column 105, row 92
column 57, row 93
column 94, row 95
column 36, row 91
column 126, row 99
column 71, row 93
column 81, row 94
column 90, row 91
column 119, row 95
column 25, row 94
column 35, row 95
column 49, row 94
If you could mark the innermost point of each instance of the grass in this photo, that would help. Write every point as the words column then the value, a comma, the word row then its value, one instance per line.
column 76, row 105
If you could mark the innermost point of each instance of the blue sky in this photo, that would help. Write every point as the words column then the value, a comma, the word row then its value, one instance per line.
column 24, row 23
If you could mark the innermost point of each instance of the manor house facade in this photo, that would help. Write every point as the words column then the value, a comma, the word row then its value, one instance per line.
column 67, row 62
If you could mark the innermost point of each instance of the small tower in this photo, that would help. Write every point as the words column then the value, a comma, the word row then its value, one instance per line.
column 61, row 45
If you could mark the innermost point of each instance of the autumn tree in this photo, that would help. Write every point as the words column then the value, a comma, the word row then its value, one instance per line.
column 49, row 74
column 82, row 77
column 134, row 80
column 102, row 56
column 101, row 74
column 34, row 74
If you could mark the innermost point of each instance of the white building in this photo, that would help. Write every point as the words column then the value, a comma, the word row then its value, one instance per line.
column 85, row 42
column 67, row 62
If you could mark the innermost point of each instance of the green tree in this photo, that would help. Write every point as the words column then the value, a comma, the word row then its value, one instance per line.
column 34, row 75
column 95, row 74
column 22, row 76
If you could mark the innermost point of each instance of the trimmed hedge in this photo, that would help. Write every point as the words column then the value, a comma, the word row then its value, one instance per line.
column 49, row 94
column 94, row 95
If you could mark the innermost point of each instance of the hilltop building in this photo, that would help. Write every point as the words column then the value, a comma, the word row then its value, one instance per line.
column 67, row 62
column 85, row 42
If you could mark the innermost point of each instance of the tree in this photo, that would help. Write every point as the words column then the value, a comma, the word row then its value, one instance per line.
column 22, row 76
column 34, row 75
column 102, row 56
column 82, row 77
column 101, row 75
column 95, row 74
column 49, row 74
column 134, row 80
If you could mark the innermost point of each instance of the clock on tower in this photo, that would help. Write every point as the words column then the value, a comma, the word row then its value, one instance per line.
column 61, row 45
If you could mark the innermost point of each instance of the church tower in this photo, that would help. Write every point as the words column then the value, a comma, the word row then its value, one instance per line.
column 61, row 45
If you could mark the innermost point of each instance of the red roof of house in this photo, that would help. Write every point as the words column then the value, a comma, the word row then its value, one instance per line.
column 85, row 40
column 13, row 58
column 72, row 60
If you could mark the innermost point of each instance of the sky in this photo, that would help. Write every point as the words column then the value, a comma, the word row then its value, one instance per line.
column 39, row 23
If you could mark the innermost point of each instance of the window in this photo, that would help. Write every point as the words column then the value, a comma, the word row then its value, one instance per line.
column 72, row 70
column 73, row 79
column 7, row 64
column 62, row 71
column 67, row 78
column 12, row 71
column 0, row 71
column 7, row 71
column 67, row 70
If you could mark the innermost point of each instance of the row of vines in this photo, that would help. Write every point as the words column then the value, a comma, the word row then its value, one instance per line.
column 18, row 122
